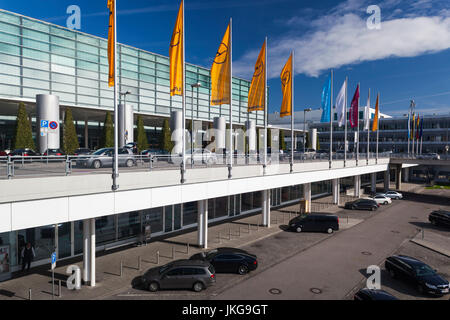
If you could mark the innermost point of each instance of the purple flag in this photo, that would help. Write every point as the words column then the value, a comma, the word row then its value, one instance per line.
column 354, row 109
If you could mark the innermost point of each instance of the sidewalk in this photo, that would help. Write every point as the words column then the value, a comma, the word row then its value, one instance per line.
column 136, row 260
column 433, row 241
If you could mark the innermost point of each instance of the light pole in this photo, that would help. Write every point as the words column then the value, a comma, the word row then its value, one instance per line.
column 122, row 121
column 304, row 129
column 195, row 85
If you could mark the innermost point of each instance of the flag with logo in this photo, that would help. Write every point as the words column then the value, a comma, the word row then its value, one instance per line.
column 354, row 109
column 377, row 114
column 221, row 72
column 256, row 93
column 286, row 89
column 176, row 56
column 326, row 102
column 340, row 105
column 111, row 43
column 418, row 126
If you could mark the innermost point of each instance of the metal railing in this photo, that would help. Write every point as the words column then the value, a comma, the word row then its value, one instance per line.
column 42, row 166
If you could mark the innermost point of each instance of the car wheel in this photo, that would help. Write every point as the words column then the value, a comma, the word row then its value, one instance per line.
column 97, row 164
column 129, row 163
column 385, row 203
column 198, row 286
column 330, row 230
column 373, row 209
column 153, row 286
column 392, row 273
column 298, row 229
column 242, row 269
column 433, row 222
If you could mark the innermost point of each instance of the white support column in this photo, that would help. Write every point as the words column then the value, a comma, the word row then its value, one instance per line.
column 387, row 180
column 266, row 208
column 86, row 252
column 406, row 174
column 398, row 177
column 373, row 182
column 307, row 196
column 336, row 190
column 202, row 231
column 92, row 251
column 358, row 186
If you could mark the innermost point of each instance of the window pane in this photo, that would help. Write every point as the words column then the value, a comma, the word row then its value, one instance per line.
column 105, row 230
column 189, row 213
column 129, row 225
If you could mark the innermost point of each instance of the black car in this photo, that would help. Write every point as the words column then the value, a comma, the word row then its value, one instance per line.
column 155, row 155
column 180, row 274
column 82, row 151
column 315, row 222
column 372, row 294
column 414, row 271
column 440, row 217
column 23, row 152
column 53, row 152
column 227, row 260
column 359, row 204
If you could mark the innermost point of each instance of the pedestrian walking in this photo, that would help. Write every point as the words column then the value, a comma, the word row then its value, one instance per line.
column 27, row 255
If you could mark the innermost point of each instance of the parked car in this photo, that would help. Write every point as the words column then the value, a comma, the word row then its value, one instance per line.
column 82, row 151
column 381, row 199
column 431, row 156
column 104, row 158
column 358, row 204
column 53, row 152
column 180, row 274
column 440, row 217
column 372, row 294
column 419, row 274
column 200, row 156
column 229, row 260
column 4, row 153
column 155, row 155
column 315, row 222
column 26, row 152
column 394, row 195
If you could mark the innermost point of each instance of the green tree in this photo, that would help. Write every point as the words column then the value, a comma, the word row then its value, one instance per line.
column 318, row 144
column 282, row 142
column 108, row 132
column 23, row 137
column 308, row 141
column 142, row 141
column 269, row 138
column 70, row 137
column 166, row 142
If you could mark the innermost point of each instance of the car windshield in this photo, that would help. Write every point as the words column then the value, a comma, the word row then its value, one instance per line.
column 100, row 151
column 424, row 270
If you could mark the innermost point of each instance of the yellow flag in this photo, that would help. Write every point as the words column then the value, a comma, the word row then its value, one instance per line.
column 256, row 93
column 176, row 56
column 286, row 89
column 220, row 72
column 111, row 42
column 377, row 114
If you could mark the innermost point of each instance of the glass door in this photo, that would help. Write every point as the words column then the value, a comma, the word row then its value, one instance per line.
column 177, row 217
column 168, row 218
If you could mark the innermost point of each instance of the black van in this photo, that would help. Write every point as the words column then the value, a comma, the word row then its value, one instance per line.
column 315, row 222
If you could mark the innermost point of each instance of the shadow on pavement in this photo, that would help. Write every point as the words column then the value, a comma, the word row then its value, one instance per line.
column 429, row 226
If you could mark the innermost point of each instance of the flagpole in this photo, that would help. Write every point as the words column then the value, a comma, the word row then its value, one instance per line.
column 357, row 128
column 421, row 134
column 345, row 115
column 115, row 174
column 292, row 112
column 230, row 165
column 378, row 126
column 368, row 130
column 183, row 127
column 331, row 120
column 409, row 126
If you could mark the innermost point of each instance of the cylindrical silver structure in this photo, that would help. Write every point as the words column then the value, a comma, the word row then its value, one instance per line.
column 220, row 129
column 313, row 135
column 47, row 109
column 176, row 125
column 126, row 124
column 251, row 134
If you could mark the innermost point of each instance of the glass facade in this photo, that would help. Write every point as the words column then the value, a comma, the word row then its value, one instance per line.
column 37, row 57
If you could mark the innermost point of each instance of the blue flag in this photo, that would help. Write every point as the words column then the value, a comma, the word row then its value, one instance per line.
column 326, row 102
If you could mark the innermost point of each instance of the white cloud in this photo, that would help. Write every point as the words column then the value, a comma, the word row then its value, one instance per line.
column 342, row 38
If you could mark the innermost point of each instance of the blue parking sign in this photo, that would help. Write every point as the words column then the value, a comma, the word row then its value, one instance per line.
column 44, row 123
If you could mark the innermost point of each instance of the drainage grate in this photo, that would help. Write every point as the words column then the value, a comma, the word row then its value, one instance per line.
column 275, row 291
column 315, row 290
column 366, row 253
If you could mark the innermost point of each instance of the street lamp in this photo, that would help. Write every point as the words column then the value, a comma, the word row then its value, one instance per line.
column 194, row 85
column 304, row 129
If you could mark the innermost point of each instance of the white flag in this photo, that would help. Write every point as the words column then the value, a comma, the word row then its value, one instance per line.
column 367, row 115
column 340, row 105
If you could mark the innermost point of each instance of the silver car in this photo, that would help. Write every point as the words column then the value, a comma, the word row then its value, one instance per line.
column 200, row 156
column 104, row 158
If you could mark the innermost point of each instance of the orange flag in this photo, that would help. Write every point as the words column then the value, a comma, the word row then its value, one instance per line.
column 111, row 42
column 176, row 52
column 377, row 114
column 256, row 99
column 221, row 72
column 286, row 89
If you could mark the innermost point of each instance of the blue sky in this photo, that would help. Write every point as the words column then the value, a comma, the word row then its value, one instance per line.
column 408, row 58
